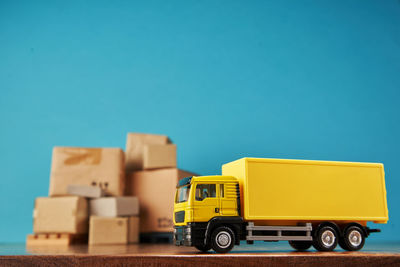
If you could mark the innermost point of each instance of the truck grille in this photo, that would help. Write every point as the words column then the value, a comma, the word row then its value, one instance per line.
column 180, row 216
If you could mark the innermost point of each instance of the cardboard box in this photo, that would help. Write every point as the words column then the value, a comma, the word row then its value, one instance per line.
column 156, row 191
column 60, row 215
column 133, row 229
column 159, row 156
column 107, row 230
column 103, row 167
column 114, row 206
column 134, row 150
column 85, row 191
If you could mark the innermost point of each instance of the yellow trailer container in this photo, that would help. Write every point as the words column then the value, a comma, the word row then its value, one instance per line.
column 306, row 190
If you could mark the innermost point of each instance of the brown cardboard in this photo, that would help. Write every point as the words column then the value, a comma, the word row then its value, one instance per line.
column 103, row 167
column 135, row 143
column 159, row 156
column 114, row 206
column 88, row 191
column 156, row 191
column 60, row 215
column 133, row 229
column 106, row 230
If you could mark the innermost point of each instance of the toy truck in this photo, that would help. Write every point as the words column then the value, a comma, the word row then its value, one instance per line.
column 308, row 203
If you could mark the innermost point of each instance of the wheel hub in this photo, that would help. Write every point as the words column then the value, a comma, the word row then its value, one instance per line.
column 223, row 239
column 355, row 238
column 328, row 238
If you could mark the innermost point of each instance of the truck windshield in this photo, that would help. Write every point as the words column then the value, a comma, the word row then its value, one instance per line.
column 182, row 194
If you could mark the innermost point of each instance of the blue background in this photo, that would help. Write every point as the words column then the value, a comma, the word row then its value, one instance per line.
column 224, row 79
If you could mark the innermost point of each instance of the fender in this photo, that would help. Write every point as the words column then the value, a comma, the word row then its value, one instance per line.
column 235, row 221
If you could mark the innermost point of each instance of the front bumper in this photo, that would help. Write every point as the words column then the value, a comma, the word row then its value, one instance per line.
column 183, row 235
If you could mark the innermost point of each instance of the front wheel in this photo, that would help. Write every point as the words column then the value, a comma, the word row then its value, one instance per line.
column 300, row 245
column 222, row 239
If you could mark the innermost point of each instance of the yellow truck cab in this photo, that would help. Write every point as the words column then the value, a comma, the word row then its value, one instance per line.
column 204, row 201
column 319, row 203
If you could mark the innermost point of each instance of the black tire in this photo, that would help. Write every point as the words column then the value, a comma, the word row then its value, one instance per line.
column 203, row 248
column 325, row 239
column 353, row 239
column 300, row 245
column 222, row 239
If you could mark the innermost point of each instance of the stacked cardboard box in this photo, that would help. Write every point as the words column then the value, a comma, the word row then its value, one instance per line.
column 94, row 193
column 152, row 176
column 114, row 220
column 59, row 220
column 102, row 167
column 80, row 176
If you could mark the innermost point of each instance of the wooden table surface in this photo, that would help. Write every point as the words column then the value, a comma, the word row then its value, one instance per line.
column 266, row 254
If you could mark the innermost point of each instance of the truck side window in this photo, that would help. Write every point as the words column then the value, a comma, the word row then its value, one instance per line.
column 204, row 191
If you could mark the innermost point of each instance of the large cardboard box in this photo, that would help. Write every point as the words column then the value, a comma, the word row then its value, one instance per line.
column 156, row 191
column 159, row 156
column 114, row 206
column 134, row 150
column 60, row 215
column 108, row 230
column 102, row 167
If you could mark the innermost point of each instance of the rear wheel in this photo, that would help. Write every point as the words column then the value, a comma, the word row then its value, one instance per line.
column 300, row 245
column 203, row 248
column 222, row 239
column 353, row 238
column 325, row 239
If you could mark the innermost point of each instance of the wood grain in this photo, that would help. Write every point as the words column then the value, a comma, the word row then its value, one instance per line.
column 225, row 260
column 169, row 255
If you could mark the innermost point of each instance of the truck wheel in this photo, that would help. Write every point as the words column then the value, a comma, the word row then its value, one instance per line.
column 222, row 239
column 300, row 245
column 203, row 248
column 353, row 239
column 325, row 239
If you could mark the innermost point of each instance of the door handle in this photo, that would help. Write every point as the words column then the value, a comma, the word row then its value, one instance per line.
column 216, row 210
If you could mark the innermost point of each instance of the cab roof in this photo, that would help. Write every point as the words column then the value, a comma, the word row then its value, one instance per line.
column 211, row 178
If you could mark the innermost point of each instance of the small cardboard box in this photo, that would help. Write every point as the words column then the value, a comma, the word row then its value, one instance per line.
column 156, row 191
column 159, row 156
column 134, row 150
column 60, row 215
column 133, row 229
column 102, row 167
column 114, row 206
column 85, row 191
column 107, row 230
